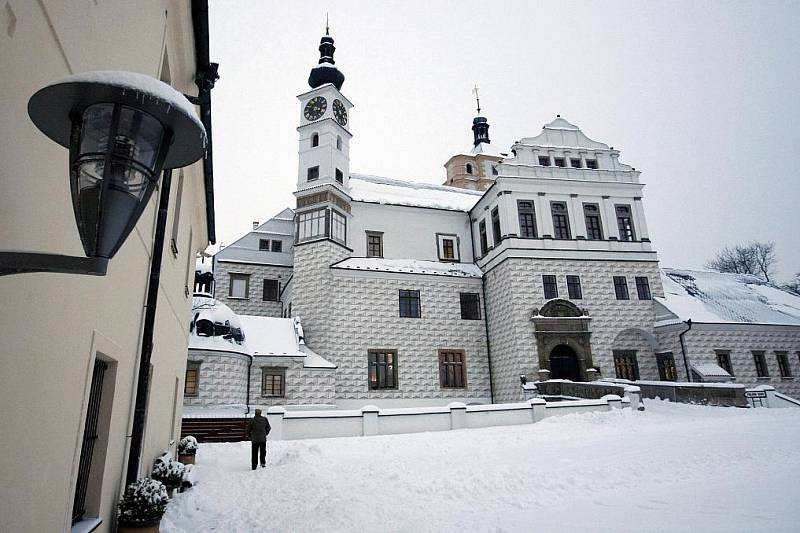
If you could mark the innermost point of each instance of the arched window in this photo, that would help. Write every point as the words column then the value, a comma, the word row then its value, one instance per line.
column 338, row 142
column 315, row 140
column 469, row 168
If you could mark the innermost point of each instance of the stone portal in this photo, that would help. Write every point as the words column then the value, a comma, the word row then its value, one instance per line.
column 563, row 340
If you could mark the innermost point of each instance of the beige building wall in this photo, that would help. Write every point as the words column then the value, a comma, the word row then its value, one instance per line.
column 53, row 326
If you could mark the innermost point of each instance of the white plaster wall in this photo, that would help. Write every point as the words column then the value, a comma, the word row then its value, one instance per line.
column 222, row 380
column 254, row 304
column 408, row 232
column 304, row 386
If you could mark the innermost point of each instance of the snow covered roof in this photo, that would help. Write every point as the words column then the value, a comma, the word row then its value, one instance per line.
column 375, row 189
column 207, row 310
column 489, row 149
column 710, row 370
column 561, row 133
column 270, row 336
column 246, row 249
column 410, row 266
column 726, row 298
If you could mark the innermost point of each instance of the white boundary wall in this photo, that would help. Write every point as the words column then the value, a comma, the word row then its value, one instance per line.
column 371, row 420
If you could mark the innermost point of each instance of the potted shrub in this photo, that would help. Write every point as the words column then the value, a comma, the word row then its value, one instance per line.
column 169, row 472
column 187, row 449
column 141, row 507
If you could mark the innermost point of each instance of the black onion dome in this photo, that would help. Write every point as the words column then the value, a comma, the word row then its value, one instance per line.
column 480, row 130
column 326, row 71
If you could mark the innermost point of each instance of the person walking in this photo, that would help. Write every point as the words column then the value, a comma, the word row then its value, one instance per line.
column 257, row 431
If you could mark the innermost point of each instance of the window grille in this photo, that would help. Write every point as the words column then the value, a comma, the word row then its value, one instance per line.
column 527, row 219
column 626, row 365
column 550, row 287
column 470, row 306
column 410, row 304
column 643, row 288
column 574, row 287
column 452, row 370
column 621, row 288
column 382, row 369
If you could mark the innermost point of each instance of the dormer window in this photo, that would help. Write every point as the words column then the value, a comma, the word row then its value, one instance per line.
column 338, row 142
column 263, row 245
column 469, row 168
column 560, row 161
column 591, row 163
column 314, row 140
column 544, row 160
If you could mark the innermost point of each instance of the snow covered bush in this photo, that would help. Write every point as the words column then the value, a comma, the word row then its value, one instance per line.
column 144, row 501
column 187, row 446
column 168, row 471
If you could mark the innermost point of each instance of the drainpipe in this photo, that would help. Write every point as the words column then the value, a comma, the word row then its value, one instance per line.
column 142, row 387
column 247, row 400
column 488, row 348
column 683, row 348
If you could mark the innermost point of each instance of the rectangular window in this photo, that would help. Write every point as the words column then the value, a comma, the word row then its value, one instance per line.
column 621, row 287
column 666, row 367
column 625, row 223
column 338, row 227
column 191, row 385
column 339, row 176
column 626, row 365
column 575, row 162
column 311, row 225
column 560, row 220
column 560, row 161
column 382, row 369
column 452, row 371
column 544, row 160
column 409, row 304
column 724, row 361
column 527, row 219
column 594, row 227
column 447, row 247
column 484, row 240
column 263, row 245
column 374, row 244
column 783, row 364
column 643, row 288
column 550, row 287
column 312, row 174
column 574, row 287
column 470, row 306
column 273, row 382
column 591, row 163
column 277, row 246
column 239, row 286
column 760, row 361
column 272, row 289
column 496, row 226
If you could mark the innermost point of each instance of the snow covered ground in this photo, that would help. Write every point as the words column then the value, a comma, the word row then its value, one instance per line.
column 672, row 468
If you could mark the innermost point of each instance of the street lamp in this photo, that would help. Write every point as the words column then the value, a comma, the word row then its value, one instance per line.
column 121, row 129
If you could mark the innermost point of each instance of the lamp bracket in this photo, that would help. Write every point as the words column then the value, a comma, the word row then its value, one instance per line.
column 25, row 262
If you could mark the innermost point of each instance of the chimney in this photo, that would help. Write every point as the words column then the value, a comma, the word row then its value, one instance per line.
column 255, row 224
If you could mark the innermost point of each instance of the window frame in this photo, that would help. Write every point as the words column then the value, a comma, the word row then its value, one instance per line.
column 339, row 176
column 784, row 367
column 331, row 218
column 563, row 216
column 592, row 164
column 497, row 234
column 409, row 298
column 450, row 380
column 193, row 366
column 574, row 287
column 562, row 160
column 625, row 226
column 626, row 367
column 468, row 168
column 523, row 212
column 484, row 240
column 314, row 140
column 621, row 282
column 440, row 247
column 593, row 233
column 339, row 142
column 643, row 285
column 393, row 365
column 312, row 171
column 572, row 161
column 549, row 281
column 724, row 361
column 273, row 371
column 263, row 245
column 466, row 300
column 276, row 285
column 240, row 276
column 310, row 218
column 544, row 160
column 664, row 370
column 278, row 248
column 760, row 363
column 374, row 234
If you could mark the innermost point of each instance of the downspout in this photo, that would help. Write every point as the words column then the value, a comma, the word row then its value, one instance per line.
column 247, row 400
column 683, row 348
column 485, row 316
column 143, row 385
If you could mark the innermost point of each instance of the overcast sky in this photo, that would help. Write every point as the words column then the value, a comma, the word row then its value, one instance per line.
column 702, row 97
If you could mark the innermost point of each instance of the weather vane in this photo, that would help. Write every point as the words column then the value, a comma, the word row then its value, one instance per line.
column 477, row 98
column 326, row 24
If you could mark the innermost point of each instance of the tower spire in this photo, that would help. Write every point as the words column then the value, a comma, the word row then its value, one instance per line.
column 480, row 126
column 327, row 28
column 326, row 71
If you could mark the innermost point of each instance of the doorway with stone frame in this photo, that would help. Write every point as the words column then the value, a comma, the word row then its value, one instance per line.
column 563, row 341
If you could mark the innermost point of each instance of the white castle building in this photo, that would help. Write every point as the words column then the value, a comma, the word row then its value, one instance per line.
column 536, row 262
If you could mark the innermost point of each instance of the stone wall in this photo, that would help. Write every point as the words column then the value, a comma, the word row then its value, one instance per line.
column 304, row 386
column 514, row 290
column 254, row 304
column 740, row 340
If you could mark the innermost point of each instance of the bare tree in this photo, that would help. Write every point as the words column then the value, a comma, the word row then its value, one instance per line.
column 755, row 258
column 794, row 285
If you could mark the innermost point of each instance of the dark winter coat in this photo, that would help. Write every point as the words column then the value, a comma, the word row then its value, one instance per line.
column 258, row 429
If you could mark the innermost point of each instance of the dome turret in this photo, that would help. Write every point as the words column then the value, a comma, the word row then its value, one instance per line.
column 326, row 71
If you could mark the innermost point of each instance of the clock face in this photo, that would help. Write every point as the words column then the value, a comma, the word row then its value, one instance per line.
column 339, row 112
column 315, row 108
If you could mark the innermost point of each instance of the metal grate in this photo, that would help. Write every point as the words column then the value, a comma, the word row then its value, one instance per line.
column 89, row 438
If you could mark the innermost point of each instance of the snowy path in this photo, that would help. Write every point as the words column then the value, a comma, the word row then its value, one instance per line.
column 671, row 468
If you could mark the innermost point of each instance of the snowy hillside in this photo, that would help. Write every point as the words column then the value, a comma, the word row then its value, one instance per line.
column 671, row 468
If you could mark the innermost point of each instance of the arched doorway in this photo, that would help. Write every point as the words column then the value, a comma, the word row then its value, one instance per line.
column 564, row 363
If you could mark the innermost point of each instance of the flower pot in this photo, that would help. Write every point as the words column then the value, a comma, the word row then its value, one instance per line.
column 186, row 458
column 151, row 526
